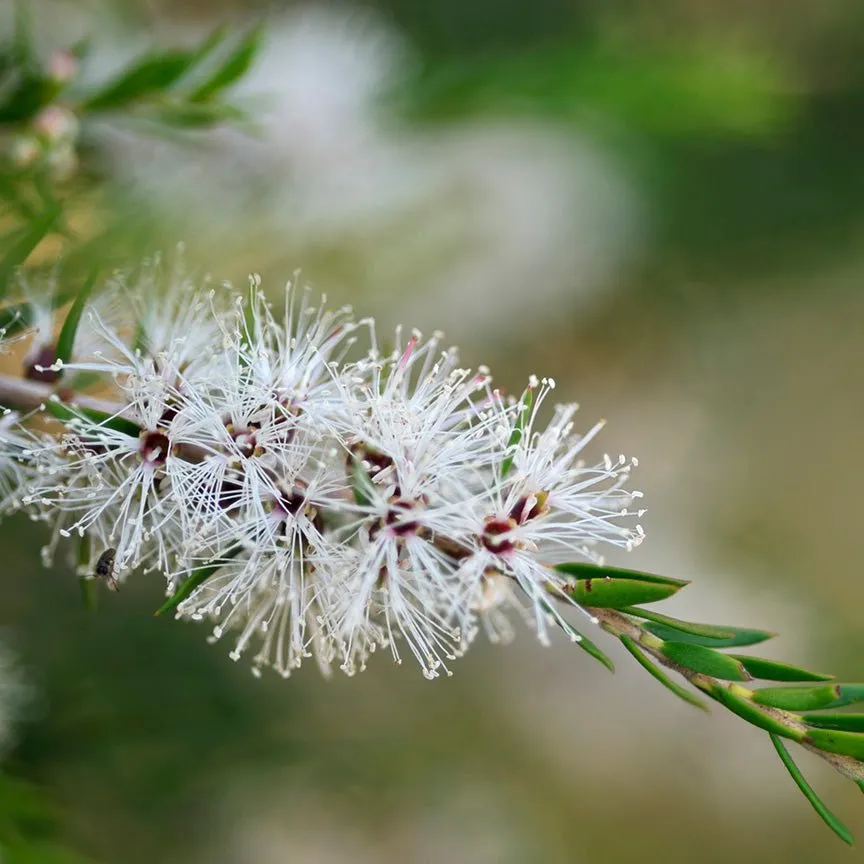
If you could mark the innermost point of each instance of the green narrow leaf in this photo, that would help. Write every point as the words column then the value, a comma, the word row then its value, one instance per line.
column 70, row 413
column 196, row 578
column 660, row 675
column 807, row 790
column 209, row 44
column 812, row 698
column 771, row 670
column 66, row 339
column 746, row 710
column 525, row 405
column 706, row 661
column 590, row 648
column 831, row 720
column 584, row 570
column 235, row 67
column 608, row 593
column 364, row 491
column 30, row 238
column 151, row 74
column 187, row 115
column 673, row 625
column 837, row 741
column 711, row 636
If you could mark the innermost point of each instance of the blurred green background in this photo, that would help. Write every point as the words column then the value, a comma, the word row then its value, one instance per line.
column 659, row 203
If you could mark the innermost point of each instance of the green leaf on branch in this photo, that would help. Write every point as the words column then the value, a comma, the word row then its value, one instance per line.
column 807, row 790
column 706, row 661
column 674, row 627
column 524, row 409
column 746, row 710
column 188, row 115
column 771, row 670
column 149, row 75
column 364, row 491
column 660, row 675
column 831, row 720
column 234, row 67
column 66, row 339
column 813, row 698
column 718, row 636
column 28, row 239
column 70, row 414
column 837, row 741
column 194, row 580
column 613, row 593
column 584, row 570
column 590, row 648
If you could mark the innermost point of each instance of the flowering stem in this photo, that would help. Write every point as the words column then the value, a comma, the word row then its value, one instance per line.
column 23, row 394
column 619, row 625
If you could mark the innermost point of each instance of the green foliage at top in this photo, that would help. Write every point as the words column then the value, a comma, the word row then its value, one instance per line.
column 44, row 120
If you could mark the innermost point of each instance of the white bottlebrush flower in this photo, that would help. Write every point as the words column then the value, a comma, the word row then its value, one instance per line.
column 171, row 327
column 39, row 313
column 417, row 441
column 309, row 503
column 274, row 595
column 112, row 484
column 545, row 506
column 17, row 467
column 260, row 419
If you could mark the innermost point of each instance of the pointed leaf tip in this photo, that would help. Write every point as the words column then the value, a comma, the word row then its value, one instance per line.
column 810, row 794
column 771, row 670
column 713, row 636
column 590, row 648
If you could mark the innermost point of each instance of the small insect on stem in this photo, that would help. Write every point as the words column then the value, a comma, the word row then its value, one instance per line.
column 105, row 568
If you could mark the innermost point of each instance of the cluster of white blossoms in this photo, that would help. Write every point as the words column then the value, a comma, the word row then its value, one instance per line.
column 302, row 487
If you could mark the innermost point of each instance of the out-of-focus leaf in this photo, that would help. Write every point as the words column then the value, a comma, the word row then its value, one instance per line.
column 152, row 74
column 706, row 661
column 232, row 69
column 15, row 318
column 190, row 115
column 807, row 790
column 29, row 238
column 661, row 676
column 771, row 670
column 703, row 91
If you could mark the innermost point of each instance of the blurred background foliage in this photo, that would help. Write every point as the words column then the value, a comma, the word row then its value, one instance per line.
column 659, row 203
